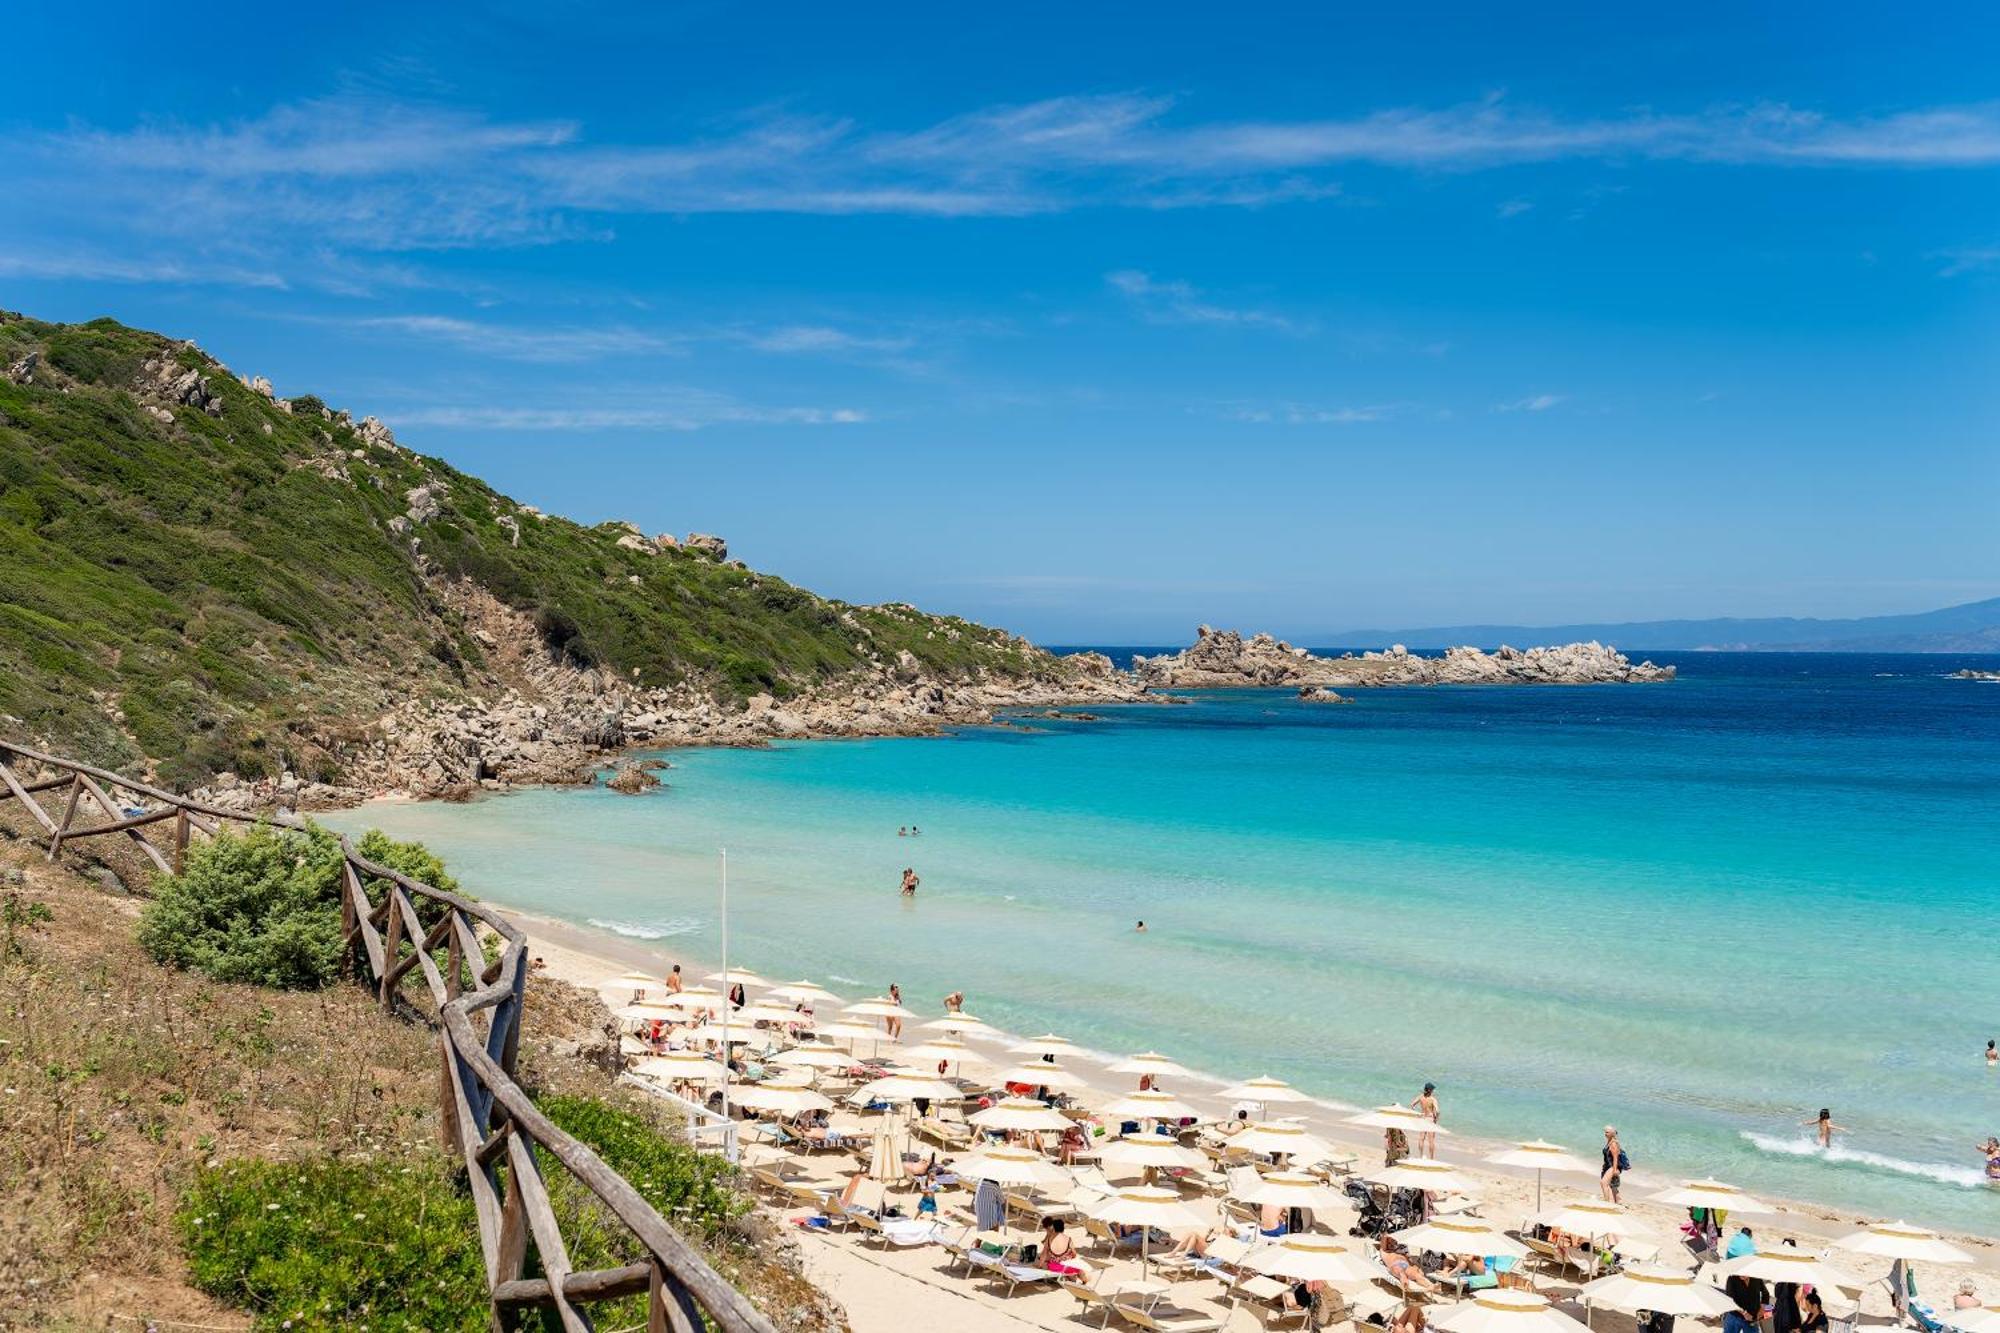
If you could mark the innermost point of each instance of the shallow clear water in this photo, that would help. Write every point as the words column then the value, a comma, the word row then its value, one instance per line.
column 1699, row 910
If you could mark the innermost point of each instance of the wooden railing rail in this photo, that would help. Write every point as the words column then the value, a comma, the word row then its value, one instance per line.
column 485, row 1117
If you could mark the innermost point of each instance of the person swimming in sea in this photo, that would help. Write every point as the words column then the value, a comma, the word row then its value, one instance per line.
column 1141, row 928
column 903, row 832
column 910, row 882
column 1823, row 1127
column 1992, row 1054
column 1990, row 1150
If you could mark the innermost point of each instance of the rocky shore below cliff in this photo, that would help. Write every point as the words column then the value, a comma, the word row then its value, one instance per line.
column 1224, row 659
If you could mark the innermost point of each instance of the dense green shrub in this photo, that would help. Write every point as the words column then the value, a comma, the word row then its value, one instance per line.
column 324, row 1244
column 692, row 1190
column 263, row 906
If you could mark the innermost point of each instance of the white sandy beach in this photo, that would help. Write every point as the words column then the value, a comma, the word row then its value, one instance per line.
column 903, row 1288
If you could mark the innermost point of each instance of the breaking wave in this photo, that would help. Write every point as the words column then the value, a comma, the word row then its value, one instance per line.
column 1969, row 1177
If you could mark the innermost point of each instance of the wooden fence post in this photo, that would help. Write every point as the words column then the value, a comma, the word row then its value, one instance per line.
column 392, row 946
column 180, row 838
column 69, row 813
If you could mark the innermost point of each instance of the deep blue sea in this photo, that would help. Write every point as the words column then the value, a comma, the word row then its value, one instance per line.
column 1701, row 910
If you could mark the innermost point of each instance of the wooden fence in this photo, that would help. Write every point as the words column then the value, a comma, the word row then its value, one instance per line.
column 486, row 1118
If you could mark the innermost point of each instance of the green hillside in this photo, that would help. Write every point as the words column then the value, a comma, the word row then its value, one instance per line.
column 228, row 588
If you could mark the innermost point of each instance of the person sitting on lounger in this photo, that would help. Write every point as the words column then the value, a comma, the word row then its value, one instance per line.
column 1059, row 1249
column 1467, row 1265
column 1401, row 1267
column 1195, row 1243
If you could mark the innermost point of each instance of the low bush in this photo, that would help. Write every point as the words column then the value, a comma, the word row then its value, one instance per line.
column 263, row 906
column 324, row 1244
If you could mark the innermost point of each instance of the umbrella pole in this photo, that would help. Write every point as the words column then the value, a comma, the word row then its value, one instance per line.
column 728, row 1140
column 1538, row 1189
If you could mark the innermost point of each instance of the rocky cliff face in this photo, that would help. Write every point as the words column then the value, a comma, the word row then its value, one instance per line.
column 1224, row 658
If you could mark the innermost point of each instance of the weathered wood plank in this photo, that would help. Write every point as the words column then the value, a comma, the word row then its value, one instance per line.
column 120, row 826
column 111, row 811
column 670, row 1306
column 34, row 807
column 525, row 1183
column 69, row 815
column 478, row 1172
column 599, row 1284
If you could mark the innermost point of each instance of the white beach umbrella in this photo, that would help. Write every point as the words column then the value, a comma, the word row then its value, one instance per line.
column 1294, row 1141
column 938, row 1050
column 778, row 1098
column 644, row 1011
column 1039, row 1075
column 1150, row 1106
column 1293, row 1189
column 843, row 1030
column 804, row 990
column 632, row 981
column 1422, row 1173
column 811, row 1056
column 957, row 1023
column 1398, row 1117
column 1022, row 1113
column 878, row 1006
column 737, row 976
column 1979, row 1319
column 1047, row 1044
column 1900, row 1240
column 696, row 998
column 1265, row 1090
column 1543, row 1156
column 1505, row 1310
column 1461, row 1235
column 1148, row 1207
column 1711, row 1194
column 904, row 1088
column 1004, row 1164
column 681, row 1067
column 1310, row 1257
column 769, row 1013
column 1781, row 1265
column 1149, row 1150
column 1149, row 1062
column 1591, row 1218
column 1657, row 1288
column 885, row 1162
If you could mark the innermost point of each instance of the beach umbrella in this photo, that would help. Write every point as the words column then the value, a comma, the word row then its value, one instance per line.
column 1294, row 1141
column 1149, row 1151
column 1022, row 1113
column 1041, row 1076
column 635, row 981
column 938, row 1050
column 904, row 1088
column 1979, row 1319
column 1900, row 1240
column 1505, row 1310
column 1047, row 1044
column 1147, row 1207
column 1398, row 1117
column 646, row 1010
column 1422, row 1173
column 1461, row 1235
column 811, row 1056
column 736, row 976
column 1711, row 1194
column 1006, row 1165
column 695, row 997
column 1781, row 1265
column 957, row 1023
column 885, row 1162
column 1594, row 1217
column 804, row 990
column 842, row 1030
column 1150, row 1106
column 1311, row 1257
column 1293, row 1189
column 1543, row 1157
column 879, row 1006
column 681, row 1067
column 770, row 1013
column 778, row 1098
column 1264, row 1090
column 1657, row 1288
column 1149, row 1062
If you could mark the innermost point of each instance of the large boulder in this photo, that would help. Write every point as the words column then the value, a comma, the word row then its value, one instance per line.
column 703, row 543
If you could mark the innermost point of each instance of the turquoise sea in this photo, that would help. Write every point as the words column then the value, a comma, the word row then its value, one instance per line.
column 1699, row 910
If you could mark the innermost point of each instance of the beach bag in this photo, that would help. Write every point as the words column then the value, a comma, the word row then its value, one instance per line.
column 1030, row 1253
column 1624, row 1162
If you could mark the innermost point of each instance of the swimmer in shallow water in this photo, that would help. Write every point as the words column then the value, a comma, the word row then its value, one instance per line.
column 1823, row 1127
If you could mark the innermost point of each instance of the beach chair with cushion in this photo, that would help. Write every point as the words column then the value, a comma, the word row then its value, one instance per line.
column 1017, row 1275
column 898, row 1231
column 946, row 1134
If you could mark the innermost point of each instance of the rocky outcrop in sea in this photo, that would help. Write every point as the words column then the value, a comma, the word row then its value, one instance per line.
column 1224, row 658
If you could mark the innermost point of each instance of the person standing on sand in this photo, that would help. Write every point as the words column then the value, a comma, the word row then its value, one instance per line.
column 674, row 980
column 895, row 1025
column 1616, row 1164
column 910, row 882
column 1823, row 1127
column 1426, row 1104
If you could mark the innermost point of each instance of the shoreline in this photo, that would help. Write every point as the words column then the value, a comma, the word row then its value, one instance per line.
column 587, row 955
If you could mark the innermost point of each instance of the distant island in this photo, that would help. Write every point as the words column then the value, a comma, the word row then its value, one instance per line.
column 1220, row 659
column 1973, row 627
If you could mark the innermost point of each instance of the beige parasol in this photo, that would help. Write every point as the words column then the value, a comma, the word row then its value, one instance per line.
column 842, row 1030
column 1023, row 1113
column 769, row 1013
column 1150, row 1106
column 695, row 997
column 1039, row 1075
column 1464, row 1234
column 1149, row 1150
column 1264, row 1090
column 1294, row 1141
column 1782, row 1265
column 1543, row 1156
column 1147, row 1206
column 1310, row 1257
column 957, row 1023
column 1900, row 1240
column 904, row 1088
column 878, row 1006
column 778, row 1098
column 1711, row 1194
column 1149, row 1062
column 1979, row 1319
column 1505, row 1310
column 1657, row 1288
column 886, row 1161
column 938, row 1050
column 1399, row 1117
column 1422, row 1173
column 646, row 1010
column 1006, row 1165
column 1047, row 1044
column 634, row 981
column 804, row 990
column 813, row 1056
column 737, row 976
column 1293, row 1189
column 681, row 1067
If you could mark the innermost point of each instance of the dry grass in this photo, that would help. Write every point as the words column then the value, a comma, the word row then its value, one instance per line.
column 120, row 1078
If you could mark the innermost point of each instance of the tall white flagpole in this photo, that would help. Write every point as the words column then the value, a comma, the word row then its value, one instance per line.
column 728, row 1070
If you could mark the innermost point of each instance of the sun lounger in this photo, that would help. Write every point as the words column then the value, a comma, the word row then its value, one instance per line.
column 1016, row 1275
column 898, row 1231
column 1090, row 1300
column 946, row 1134
column 1164, row 1317
column 1548, row 1256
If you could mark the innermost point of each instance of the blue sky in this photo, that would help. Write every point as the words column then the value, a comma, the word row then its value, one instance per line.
column 1097, row 321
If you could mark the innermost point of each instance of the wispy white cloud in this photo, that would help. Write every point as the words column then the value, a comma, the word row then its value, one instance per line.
column 1306, row 414
column 1540, row 402
column 1513, row 208
column 556, row 343
column 1968, row 259
column 73, row 264
column 667, row 409
column 1172, row 301
column 822, row 339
